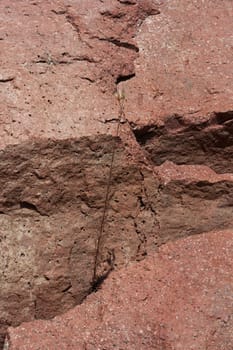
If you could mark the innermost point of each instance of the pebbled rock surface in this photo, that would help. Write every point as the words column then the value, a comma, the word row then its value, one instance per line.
column 181, row 298
column 60, row 64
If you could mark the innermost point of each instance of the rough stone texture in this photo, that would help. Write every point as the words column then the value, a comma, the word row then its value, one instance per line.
column 208, row 142
column 51, row 206
column 185, row 62
column 181, row 298
column 60, row 63
column 194, row 198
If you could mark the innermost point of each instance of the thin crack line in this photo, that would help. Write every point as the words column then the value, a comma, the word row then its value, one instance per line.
column 121, row 115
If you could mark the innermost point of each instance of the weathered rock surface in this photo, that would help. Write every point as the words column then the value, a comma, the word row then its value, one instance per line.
column 181, row 298
column 208, row 142
column 51, row 206
column 185, row 63
column 60, row 63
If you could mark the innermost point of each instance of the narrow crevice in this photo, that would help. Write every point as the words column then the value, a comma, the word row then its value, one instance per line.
column 42, row 60
column 223, row 117
column 141, row 202
column 6, row 79
column 65, row 60
column 128, row 2
column 65, row 290
column 70, row 19
column 88, row 79
column 141, row 249
column 97, row 283
column 59, row 12
column 122, row 78
column 119, row 43
column 146, row 132
column 30, row 206
column 27, row 205
column 112, row 15
column 84, row 58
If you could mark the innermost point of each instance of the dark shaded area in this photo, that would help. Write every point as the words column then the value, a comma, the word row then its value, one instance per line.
column 123, row 44
column 121, row 78
column 29, row 206
column 192, row 208
column 209, row 143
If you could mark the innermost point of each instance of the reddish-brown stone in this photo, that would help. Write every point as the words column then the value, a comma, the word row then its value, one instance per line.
column 60, row 63
column 51, row 204
column 181, row 298
column 185, row 64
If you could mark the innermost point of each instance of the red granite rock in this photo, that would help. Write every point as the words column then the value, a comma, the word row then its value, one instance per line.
column 181, row 298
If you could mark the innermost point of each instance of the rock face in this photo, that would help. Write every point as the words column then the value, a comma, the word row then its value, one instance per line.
column 51, row 210
column 181, row 298
column 61, row 62
column 172, row 174
column 184, row 66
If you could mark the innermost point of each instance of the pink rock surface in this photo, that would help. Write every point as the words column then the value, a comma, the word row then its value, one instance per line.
column 181, row 298
column 170, row 171
column 60, row 64
column 185, row 62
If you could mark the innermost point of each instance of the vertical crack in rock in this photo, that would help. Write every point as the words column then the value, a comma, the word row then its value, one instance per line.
column 97, row 280
column 142, row 246
column 192, row 162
